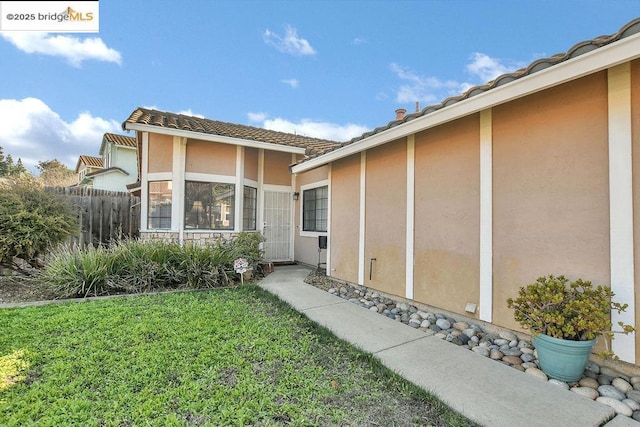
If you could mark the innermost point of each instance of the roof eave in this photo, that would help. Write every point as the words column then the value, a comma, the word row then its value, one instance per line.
column 213, row 138
column 616, row 53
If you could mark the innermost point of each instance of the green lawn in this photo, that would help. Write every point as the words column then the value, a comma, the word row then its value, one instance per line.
column 224, row 357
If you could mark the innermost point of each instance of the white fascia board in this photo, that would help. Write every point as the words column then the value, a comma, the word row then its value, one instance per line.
column 214, row 138
column 600, row 59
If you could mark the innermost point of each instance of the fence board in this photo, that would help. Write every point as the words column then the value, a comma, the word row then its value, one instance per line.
column 103, row 216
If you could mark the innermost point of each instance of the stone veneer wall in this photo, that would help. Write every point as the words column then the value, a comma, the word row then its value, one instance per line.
column 197, row 238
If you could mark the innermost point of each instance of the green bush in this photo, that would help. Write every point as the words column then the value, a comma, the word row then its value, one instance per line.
column 577, row 311
column 31, row 222
column 134, row 266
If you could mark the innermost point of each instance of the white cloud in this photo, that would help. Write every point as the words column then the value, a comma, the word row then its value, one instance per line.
column 30, row 130
column 487, row 68
column 257, row 117
column 188, row 112
column 294, row 83
column 420, row 88
column 316, row 129
column 289, row 42
column 428, row 89
column 358, row 41
column 71, row 48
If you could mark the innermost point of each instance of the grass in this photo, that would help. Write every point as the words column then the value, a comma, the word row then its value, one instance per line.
column 235, row 356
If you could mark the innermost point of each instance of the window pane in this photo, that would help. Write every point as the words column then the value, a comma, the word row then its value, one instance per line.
column 159, row 206
column 249, row 208
column 315, row 209
column 223, row 206
column 197, row 209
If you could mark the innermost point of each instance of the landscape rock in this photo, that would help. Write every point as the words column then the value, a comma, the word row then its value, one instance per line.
column 617, row 405
column 635, row 406
column 589, row 382
column 483, row 351
column 587, row 392
column 537, row 373
column 611, row 391
column 621, row 385
column 559, row 383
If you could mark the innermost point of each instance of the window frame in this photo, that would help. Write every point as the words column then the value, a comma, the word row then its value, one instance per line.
column 149, row 206
column 307, row 187
column 209, row 208
column 252, row 210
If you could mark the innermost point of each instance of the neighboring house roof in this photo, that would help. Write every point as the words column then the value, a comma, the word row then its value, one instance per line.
column 171, row 121
column 582, row 48
column 119, row 140
column 106, row 171
column 89, row 161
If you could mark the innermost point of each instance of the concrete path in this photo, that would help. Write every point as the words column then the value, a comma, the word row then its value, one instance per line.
column 483, row 390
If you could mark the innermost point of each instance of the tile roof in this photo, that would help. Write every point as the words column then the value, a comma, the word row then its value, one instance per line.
column 214, row 127
column 581, row 48
column 125, row 141
column 95, row 162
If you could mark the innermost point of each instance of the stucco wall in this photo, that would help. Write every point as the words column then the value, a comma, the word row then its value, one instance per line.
column 385, row 223
column 276, row 168
column 251, row 163
column 160, row 156
column 345, row 218
column 447, row 215
column 210, row 157
column 635, row 135
column 306, row 248
column 550, row 189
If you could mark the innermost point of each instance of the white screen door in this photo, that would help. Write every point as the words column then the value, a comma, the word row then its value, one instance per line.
column 277, row 226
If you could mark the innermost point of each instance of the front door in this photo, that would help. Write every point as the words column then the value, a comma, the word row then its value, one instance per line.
column 277, row 226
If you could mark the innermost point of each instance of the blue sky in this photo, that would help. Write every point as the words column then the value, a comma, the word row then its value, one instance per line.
column 331, row 69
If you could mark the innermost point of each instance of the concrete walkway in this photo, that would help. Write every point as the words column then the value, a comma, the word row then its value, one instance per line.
column 483, row 390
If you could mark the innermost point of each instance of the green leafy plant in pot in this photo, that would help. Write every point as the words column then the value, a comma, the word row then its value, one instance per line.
column 565, row 319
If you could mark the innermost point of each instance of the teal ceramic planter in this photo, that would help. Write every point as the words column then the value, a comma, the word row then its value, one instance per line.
column 564, row 360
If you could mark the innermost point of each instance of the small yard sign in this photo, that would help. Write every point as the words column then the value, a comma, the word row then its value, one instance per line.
column 241, row 265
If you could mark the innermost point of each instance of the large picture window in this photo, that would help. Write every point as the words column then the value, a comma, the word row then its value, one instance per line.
column 209, row 205
column 159, row 216
column 315, row 204
column 249, row 208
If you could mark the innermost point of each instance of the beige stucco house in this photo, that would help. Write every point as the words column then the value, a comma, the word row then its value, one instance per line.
column 115, row 169
column 455, row 206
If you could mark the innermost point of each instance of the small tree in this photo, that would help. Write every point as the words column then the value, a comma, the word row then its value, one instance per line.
column 31, row 221
column 55, row 174
column 8, row 168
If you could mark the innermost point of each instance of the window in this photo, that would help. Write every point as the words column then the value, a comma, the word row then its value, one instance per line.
column 314, row 209
column 249, row 208
column 209, row 205
column 159, row 216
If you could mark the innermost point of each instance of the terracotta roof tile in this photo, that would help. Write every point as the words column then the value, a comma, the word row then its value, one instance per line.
column 122, row 140
column 214, row 127
column 95, row 162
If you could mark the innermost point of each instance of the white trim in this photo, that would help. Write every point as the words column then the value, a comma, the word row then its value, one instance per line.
column 237, row 214
column 277, row 188
column 144, row 183
column 209, row 177
column 411, row 175
column 214, row 138
column 600, row 59
column 328, row 255
column 260, row 195
column 362, row 225
column 292, row 234
column 177, row 194
column 621, row 204
column 159, row 176
column 310, row 186
column 486, row 216
column 250, row 183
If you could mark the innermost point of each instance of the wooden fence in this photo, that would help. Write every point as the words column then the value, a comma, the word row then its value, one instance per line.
column 103, row 216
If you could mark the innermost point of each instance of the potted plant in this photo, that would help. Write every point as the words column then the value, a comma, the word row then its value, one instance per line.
column 565, row 319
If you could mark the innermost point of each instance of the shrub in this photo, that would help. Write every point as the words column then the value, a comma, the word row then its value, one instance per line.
column 31, row 222
column 133, row 266
column 577, row 311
